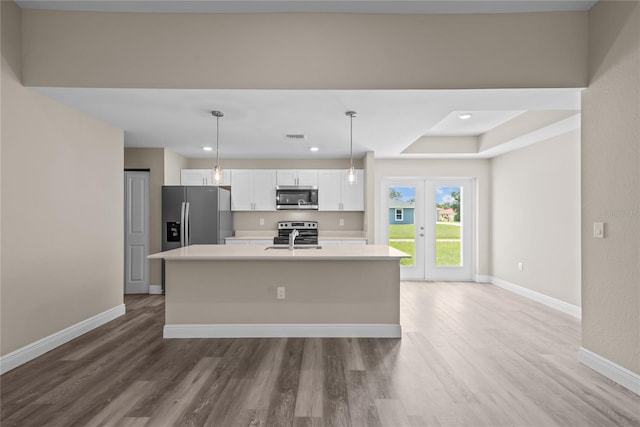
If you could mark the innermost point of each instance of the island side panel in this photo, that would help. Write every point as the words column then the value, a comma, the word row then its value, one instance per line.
column 244, row 292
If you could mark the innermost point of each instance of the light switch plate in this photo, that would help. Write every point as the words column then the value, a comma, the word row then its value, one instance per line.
column 598, row 230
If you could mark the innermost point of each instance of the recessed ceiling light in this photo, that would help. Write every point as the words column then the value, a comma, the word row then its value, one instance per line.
column 314, row 148
column 207, row 148
column 465, row 116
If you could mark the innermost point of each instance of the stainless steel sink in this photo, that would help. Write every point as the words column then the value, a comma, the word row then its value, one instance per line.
column 295, row 247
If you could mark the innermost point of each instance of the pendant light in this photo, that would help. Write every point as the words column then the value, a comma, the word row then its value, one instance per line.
column 217, row 172
column 352, row 171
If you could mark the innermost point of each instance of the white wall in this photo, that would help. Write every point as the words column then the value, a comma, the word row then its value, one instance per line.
column 62, row 208
column 535, row 208
column 173, row 164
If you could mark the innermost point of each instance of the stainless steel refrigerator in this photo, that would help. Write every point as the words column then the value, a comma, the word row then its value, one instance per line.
column 194, row 215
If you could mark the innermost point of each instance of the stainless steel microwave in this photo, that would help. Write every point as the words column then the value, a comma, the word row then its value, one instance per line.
column 294, row 197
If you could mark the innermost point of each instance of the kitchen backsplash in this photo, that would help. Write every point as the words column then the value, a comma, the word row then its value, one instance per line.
column 353, row 221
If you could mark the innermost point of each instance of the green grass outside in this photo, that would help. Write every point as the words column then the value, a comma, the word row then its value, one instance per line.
column 447, row 231
column 447, row 254
column 406, row 231
column 401, row 231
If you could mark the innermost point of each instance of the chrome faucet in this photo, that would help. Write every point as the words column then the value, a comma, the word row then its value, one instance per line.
column 292, row 238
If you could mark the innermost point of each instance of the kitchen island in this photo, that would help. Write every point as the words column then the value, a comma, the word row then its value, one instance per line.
column 215, row 291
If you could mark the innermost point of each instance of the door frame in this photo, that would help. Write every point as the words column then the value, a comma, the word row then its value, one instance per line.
column 421, row 215
column 143, row 287
column 454, row 274
column 417, row 271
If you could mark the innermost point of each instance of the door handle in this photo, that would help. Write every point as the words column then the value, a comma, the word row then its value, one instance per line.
column 187, row 227
column 182, row 224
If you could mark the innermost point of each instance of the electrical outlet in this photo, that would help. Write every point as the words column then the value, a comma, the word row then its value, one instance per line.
column 520, row 266
column 261, row 221
column 280, row 292
column 341, row 222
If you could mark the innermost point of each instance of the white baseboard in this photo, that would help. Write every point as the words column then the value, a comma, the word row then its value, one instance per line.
column 155, row 289
column 613, row 371
column 565, row 307
column 481, row 278
column 38, row 348
column 284, row 330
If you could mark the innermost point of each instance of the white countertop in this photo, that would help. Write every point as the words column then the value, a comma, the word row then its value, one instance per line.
column 260, row 252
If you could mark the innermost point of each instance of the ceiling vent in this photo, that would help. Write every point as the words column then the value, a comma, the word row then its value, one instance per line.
column 295, row 137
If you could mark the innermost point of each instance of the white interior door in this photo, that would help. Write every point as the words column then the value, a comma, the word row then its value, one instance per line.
column 449, row 229
column 136, row 205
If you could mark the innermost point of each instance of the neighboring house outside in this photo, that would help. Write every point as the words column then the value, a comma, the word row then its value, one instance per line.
column 401, row 212
column 446, row 215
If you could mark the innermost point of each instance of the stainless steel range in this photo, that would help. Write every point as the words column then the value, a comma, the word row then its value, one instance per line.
column 307, row 232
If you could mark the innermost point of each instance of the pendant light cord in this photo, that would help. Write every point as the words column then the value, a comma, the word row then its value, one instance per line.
column 351, row 145
column 218, row 142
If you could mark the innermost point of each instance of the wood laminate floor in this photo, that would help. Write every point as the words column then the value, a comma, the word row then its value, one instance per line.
column 471, row 354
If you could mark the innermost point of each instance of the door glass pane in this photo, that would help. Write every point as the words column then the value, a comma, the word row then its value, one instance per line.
column 448, row 227
column 402, row 205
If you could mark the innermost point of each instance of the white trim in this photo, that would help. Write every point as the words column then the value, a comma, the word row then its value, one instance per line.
column 155, row 289
column 38, row 348
column 285, row 330
column 137, row 288
column 482, row 278
column 609, row 369
column 565, row 307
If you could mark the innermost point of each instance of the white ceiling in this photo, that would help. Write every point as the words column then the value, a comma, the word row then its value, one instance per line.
column 304, row 6
column 255, row 121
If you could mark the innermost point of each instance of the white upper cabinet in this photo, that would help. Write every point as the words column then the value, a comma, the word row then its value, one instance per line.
column 203, row 177
column 335, row 193
column 253, row 190
column 329, row 193
column 352, row 193
column 196, row 176
column 302, row 177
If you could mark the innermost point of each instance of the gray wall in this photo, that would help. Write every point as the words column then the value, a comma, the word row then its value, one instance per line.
column 611, row 183
column 62, row 208
column 535, row 217
column 305, row 51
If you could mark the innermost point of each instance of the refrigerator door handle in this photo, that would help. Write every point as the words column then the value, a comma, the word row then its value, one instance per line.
column 182, row 224
column 187, row 227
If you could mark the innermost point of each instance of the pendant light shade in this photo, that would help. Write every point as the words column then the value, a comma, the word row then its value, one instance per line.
column 352, row 171
column 217, row 172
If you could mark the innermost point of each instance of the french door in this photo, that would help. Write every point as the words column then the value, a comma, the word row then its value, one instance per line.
column 432, row 220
